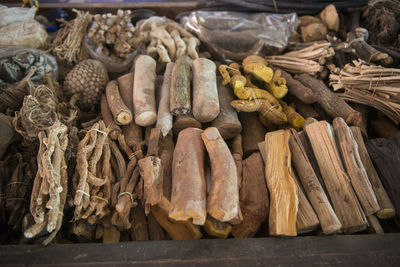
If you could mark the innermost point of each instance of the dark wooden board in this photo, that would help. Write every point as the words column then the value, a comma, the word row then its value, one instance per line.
column 349, row 250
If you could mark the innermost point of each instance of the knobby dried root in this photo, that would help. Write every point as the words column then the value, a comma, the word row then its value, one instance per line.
column 49, row 190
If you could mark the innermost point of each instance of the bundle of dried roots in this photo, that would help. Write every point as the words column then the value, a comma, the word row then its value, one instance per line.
column 316, row 51
column 67, row 46
column 50, row 186
column 295, row 65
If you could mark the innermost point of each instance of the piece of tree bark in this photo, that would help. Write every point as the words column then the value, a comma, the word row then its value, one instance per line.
column 385, row 153
column 355, row 169
column 344, row 200
column 227, row 121
column 114, row 129
column 281, row 186
column 296, row 88
column 144, row 100
column 177, row 230
column 307, row 220
column 253, row 197
column 237, row 154
column 121, row 113
column 188, row 197
column 223, row 198
column 166, row 155
column 205, row 93
column 305, row 110
column 216, row 228
column 180, row 99
column 374, row 226
column 133, row 135
column 125, row 83
column 330, row 223
column 332, row 104
column 384, row 127
column 139, row 230
column 164, row 117
column 156, row 232
column 387, row 209
column 253, row 132
column 186, row 121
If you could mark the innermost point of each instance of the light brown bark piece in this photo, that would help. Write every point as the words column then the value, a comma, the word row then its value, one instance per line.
column 125, row 83
column 281, row 186
column 121, row 113
column 114, row 129
column 188, row 197
column 355, row 169
column 344, row 200
column 186, row 121
column 180, row 100
column 223, row 198
column 253, row 132
column 164, row 117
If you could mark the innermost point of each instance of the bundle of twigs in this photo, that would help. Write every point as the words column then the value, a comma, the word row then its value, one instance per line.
column 68, row 45
column 371, row 85
column 315, row 51
column 294, row 65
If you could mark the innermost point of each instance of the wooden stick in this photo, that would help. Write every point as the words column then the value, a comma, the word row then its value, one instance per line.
column 387, row 209
column 166, row 155
column 374, row 225
column 332, row 104
column 282, row 188
column 144, row 100
column 386, row 154
column 223, row 198
column 125, row 83
column 180, row 87
column 114, row 129
column 304, row 109
column 237, row 154
column 330, row 224
column 186, row 121
column 343, row 198
column 253, row 132
column 227, row 121
column 205, row 93
column 253, row 197
column 164, row 117
column 303, row 93
column 122, row 114
column 355, row 169
column 188, row 199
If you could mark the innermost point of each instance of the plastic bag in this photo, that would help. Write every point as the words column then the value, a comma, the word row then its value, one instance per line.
column 112, row 64
column 26, row 34
column 234, row 35
column 16, row 14
column 41, row 59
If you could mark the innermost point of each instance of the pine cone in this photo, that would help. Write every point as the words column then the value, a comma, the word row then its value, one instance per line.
column 88, row 78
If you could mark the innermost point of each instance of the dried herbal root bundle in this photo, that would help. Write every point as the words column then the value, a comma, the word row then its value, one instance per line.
column 38, row 113
column 67, row 46
column 166, row 40
column 50, row 186
column 17, row 192
column 316, row 51
column 113, row 34
column 295, row 65
column 368, row 84
column 93, row 175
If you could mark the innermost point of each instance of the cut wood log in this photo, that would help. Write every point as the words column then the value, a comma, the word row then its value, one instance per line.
column 164, row 117
column 205, row 93
column 121, row 113
column 216, row 228
column 253, row 198
column 125, row 83
column 144, row 100
column 282, row 188
column 188, row 198
column 177, row 230
column 385, row 153
column 344, row 200
column 355, row 169
column 186, row 121
column 253, row 132
column 304, row 109
column 332, row 104
column 114, row 129
column 180, row 87
column 374, row 226
column 363, row 109
column 387, row 209
column 330, row 223
column 223, row 198
column 307, row 220
column 296, row 88
column 227, row 121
